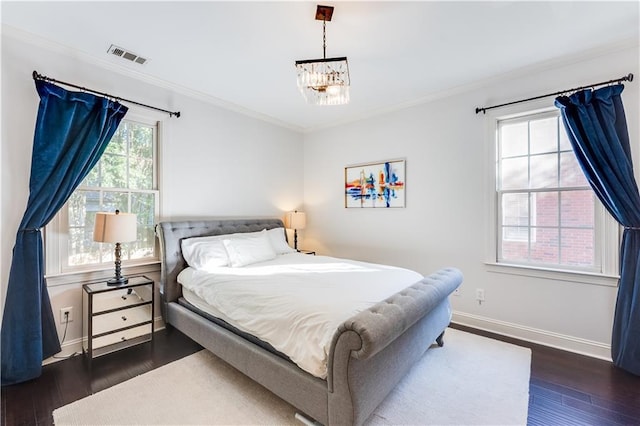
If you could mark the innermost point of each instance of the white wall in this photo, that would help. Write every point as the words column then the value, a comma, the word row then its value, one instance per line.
column 220, row 163
column 444, row 223
column 214, row 162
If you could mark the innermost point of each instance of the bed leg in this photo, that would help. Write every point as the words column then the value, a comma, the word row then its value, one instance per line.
column 440, row 339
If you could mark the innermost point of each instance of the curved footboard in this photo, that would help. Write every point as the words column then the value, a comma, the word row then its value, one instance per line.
column 372, row 351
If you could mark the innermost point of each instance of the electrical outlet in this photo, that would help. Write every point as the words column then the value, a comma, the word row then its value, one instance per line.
column 480, row 295
column 63, row 315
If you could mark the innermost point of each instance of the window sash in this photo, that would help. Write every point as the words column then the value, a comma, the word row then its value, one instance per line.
column 535, row 232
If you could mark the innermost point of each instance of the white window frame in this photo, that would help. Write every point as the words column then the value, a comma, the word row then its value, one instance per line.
column 608, row 231
column 56, row 232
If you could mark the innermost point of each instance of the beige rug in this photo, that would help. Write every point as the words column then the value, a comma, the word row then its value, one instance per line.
column 472, row 380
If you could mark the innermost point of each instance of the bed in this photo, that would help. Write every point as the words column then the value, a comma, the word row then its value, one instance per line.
column 368, row 353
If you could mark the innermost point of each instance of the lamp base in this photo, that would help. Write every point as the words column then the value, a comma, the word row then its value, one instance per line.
column 118, row 281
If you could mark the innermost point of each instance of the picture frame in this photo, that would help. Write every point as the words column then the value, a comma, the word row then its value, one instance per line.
column 375, row 185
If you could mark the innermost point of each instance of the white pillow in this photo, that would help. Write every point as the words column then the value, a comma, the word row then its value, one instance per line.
column 205, row 253
column 278, row 241
column 248, row 250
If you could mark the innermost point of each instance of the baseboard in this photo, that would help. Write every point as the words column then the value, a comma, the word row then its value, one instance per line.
column 74, row 347
column 529, row 334
column 534, row 335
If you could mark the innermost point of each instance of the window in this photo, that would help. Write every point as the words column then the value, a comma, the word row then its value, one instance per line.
column 125, row 178
column 547, row 214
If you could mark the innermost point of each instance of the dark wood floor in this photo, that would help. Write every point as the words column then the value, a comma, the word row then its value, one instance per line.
column 571, row 389
column 565, row 388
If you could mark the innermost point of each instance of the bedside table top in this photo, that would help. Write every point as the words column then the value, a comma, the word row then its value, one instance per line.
column 101, row 286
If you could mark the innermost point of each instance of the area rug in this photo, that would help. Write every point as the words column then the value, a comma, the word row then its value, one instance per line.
column 472, row 380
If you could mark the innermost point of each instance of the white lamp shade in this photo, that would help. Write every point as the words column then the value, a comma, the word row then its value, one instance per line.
column 296, row 220
column 115, row 228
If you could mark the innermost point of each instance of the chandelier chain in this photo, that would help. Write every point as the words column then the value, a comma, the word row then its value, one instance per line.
column 324, row 39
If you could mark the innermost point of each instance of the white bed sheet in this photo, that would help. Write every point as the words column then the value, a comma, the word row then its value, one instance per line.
column 295, row 302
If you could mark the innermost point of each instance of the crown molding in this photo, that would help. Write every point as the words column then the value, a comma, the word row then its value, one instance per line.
column 39, row 41
column 537, row 68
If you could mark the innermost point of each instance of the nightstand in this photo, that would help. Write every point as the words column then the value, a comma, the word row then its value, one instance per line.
column 311, row 252
column 116, row 317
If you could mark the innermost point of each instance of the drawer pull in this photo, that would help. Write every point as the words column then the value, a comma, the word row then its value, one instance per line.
column 123, row 338
column 124, row 318
column 124, row 297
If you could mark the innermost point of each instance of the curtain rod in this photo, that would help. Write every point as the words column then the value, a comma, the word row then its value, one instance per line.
column 617, row 80
column 37, row 76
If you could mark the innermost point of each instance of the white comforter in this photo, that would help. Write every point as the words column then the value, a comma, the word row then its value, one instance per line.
column 296, row 302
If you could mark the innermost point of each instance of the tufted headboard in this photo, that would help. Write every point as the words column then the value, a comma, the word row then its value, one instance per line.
column 171, row 233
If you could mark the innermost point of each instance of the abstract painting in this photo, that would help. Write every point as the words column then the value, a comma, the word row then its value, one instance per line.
column 375, row 185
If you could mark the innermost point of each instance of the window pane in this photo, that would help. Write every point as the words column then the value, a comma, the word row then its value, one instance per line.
column 546, row 208
column 82, row 248
column 94, row 177
column 141, row 173
column 515, row 210
column 514, row 139
column 564, row 140
column 82, row 208
column 144, row 245
column 141, row 157
column 125, row 251
column 118, row 143
column 544, row 135
column 544, row 247
column 115, row 200
column 143, row 205
column 577, row 247
column 577, row 209
column 76, row 209
column 515, row 244
column 114, row 171
column 141, row 144
column 570, row 172
column 544, row 171
column 514, row 174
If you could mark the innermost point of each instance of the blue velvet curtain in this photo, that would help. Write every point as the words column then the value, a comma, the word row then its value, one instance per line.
column 72, row 131
column 597, row 128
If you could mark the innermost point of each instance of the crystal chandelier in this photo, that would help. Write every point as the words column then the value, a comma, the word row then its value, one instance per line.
column 324, row 81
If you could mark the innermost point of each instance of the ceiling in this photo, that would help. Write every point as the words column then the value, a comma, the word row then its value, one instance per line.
column 242, row 53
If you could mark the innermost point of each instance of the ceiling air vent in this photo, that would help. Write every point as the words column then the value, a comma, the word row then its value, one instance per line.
column 125, row 54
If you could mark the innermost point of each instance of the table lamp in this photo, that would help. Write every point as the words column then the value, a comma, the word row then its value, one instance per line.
column 295, row 220
column 115, row 228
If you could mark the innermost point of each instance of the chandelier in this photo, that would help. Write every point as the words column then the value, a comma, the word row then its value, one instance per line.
column 324, row 81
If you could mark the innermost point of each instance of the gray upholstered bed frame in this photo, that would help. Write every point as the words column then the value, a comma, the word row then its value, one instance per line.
column 369, row 354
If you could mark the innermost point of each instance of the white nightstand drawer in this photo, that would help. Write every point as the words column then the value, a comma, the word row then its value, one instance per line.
column 120, row 319
column 121, row 336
